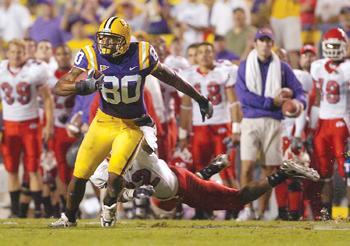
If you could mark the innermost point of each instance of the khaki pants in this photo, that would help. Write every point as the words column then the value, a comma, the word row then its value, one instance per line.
column 261, row 134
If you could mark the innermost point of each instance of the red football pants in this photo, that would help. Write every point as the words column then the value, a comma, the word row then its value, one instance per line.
column 202, row 194
column 167, row 142
column 21, row 137
column 208, row 142
column 329, row 144
column 61, row 144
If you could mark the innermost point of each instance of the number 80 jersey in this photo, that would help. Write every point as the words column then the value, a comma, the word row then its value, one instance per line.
column 333, row 82
column 122, row 90
column 19, row 90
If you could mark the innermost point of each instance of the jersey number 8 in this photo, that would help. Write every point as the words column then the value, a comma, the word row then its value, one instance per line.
column 126, row 90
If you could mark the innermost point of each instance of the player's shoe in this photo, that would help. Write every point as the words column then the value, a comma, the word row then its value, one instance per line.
column 295, row 169
column 63, row 222
column 246, row 214
column 217, row 164
column 108, row 215
column 143, row 192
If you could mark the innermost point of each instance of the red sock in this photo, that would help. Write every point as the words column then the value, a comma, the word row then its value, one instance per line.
column 312, row 192
column 281, row 191
column 294, row 198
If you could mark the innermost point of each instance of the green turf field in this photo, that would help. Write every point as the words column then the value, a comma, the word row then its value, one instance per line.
column 159, row 232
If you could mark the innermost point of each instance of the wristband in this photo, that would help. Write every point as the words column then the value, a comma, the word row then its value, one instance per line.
column 236, row 127
column 186, row 107
column 84, row 88
column 73, row 128
column 182, row 133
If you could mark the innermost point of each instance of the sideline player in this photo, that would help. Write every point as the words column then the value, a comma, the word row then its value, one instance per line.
column 116, row 128
column 332, row 76
column 21, row 82
column 293, row 132
column 216, row 80
column 62, row 110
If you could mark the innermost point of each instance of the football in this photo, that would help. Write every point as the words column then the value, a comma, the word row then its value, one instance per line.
column 291, row 108
column 286, row 93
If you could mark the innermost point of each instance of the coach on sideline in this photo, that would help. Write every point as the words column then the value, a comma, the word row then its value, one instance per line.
column 259, row 82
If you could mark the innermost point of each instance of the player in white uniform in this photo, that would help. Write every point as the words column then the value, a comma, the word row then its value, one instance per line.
column 44, row 53
column 216, row 80
column 332, row 76
column 21, row 81
column 290, row 193
column 171, row 185
column 170, row 99
column 63, row 107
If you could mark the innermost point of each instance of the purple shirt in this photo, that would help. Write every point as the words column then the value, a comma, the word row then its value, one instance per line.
column 82, row 103
column 47, row 30
column 256, row 106
column 227, row 55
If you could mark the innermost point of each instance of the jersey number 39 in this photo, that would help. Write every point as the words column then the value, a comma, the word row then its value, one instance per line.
column 22, row 90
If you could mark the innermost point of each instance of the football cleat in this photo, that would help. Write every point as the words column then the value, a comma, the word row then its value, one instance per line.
column 295, row 169
column 217, row 164
column 63, row 222
column 246, row 214
column 108, row 215
column 143, row 192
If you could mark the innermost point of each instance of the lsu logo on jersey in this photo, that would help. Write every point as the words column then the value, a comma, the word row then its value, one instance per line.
column 103, row 68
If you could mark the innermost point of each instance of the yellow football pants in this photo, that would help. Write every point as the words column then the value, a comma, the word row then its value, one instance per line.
column 107, row 134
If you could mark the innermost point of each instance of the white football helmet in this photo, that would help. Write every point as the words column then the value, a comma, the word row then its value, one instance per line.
column 334, row 44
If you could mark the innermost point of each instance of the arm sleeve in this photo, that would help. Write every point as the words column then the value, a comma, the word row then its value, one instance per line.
column 248, row 98
column 81, row 61
column 294, row 84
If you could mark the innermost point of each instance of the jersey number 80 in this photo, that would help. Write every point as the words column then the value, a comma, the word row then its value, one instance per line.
column 126, row 90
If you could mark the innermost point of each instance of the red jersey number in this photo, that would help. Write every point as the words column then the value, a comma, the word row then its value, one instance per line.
column 214, row 93
column 332, row 91
column 23, row 92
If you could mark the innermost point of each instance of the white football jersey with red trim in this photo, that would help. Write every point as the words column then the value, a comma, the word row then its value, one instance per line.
column 213, row 86
column 306, row 81
column 333, row 81
column 63, row 104
column 19, row 90
column 178, row 64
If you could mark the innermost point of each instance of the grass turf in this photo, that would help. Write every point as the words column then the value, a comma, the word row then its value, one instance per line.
column 160, row 232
